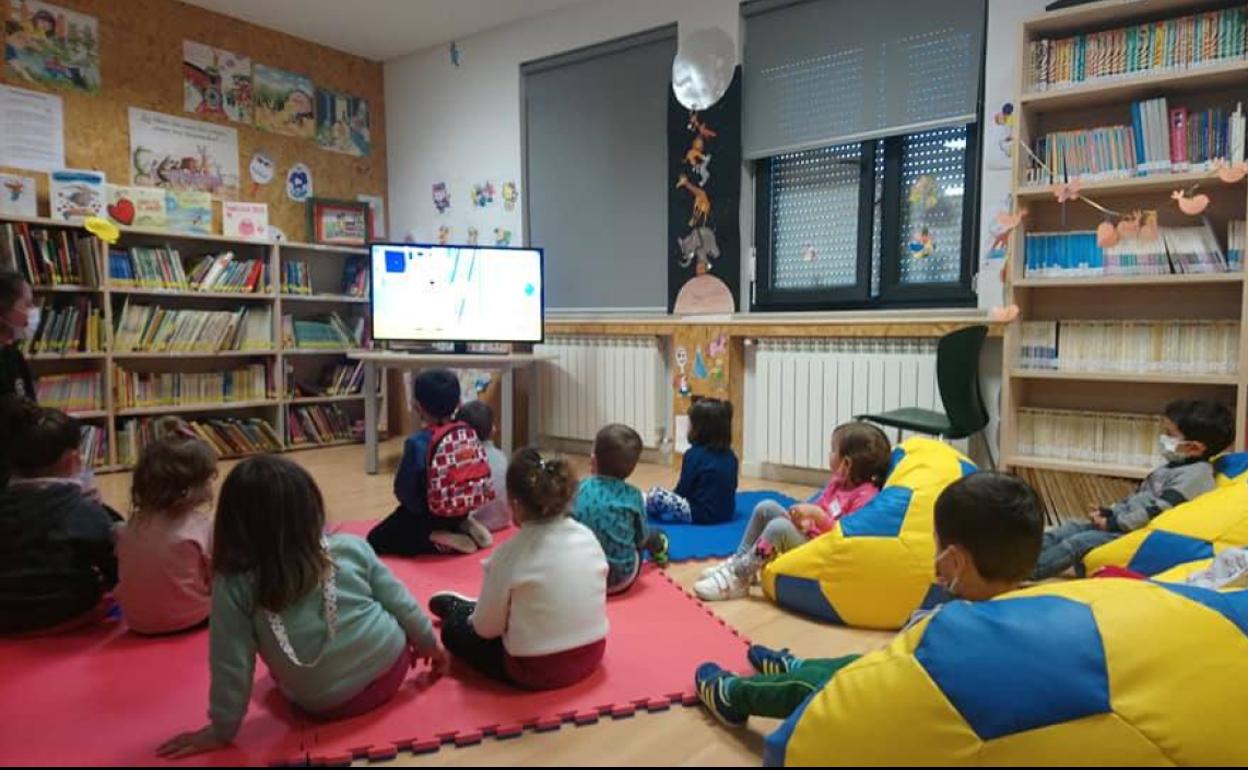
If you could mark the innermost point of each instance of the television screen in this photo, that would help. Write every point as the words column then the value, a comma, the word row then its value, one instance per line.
column 456, row 293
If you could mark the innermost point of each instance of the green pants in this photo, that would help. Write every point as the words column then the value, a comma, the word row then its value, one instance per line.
column 779, row 695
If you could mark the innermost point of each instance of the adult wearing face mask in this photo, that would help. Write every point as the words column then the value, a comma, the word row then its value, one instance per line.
column 19, row 319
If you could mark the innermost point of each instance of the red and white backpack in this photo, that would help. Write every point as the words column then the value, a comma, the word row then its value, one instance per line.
column 458, row 471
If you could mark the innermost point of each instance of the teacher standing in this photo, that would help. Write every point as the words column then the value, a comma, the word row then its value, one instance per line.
column 19, row 319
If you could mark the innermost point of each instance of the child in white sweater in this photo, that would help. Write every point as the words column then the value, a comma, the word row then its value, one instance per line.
column 541, row 619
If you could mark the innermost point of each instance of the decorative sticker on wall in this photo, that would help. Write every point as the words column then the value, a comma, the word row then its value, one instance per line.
column 261, row 168
column 1001, row 142
column 284, row 102
column 444, row 234
column 299, row 183
column 52, row 47
column 482, row 194
column 718, row 351
column 700, row 371
column 921, row 244
column 455, row 53
column 680, row 380
column 473, row 235
column 441, row 197
column 502, row 236
column 511, row 194
column 808, row 253
column 216, row 83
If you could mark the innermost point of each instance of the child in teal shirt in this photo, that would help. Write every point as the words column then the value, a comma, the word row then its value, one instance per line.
column 615, row 510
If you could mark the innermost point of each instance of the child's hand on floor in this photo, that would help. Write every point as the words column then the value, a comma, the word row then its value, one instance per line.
column 437, row 658
column 190, row 744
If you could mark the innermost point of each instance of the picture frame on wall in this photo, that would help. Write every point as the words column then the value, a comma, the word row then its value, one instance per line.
column 339, row 222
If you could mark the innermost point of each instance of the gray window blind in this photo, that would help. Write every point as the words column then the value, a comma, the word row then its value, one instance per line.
column 596, row 172
column 825, row 72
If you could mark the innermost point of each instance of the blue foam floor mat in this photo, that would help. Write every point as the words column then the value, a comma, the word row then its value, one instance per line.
column 692, row 542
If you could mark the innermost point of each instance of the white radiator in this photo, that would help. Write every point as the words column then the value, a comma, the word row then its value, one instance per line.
column 798, row 390
column 600, row 380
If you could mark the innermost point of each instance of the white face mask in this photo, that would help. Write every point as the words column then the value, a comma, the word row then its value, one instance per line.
column 1170, row 448
column 952, row 585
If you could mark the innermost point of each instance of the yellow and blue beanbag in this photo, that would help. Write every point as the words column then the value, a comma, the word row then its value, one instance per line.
column 874, row 569
column 1195, row 530
column 1090, row 672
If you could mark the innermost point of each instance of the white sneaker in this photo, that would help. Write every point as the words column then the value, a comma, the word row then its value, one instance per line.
column 453, row 542
column 713, row 568
column 721, row 585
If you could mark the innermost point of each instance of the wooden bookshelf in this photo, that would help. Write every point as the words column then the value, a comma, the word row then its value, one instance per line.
column 326, row 266
column 1177, row 297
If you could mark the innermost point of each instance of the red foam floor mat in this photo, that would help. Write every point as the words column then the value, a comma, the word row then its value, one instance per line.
column 107, row 697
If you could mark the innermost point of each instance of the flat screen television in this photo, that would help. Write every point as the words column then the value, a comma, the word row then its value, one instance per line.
column 460, row 294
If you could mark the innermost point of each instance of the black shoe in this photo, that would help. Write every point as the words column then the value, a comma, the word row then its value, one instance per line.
column 445, row 604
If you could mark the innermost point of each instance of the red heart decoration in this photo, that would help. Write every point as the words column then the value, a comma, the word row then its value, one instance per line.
column 122, row 211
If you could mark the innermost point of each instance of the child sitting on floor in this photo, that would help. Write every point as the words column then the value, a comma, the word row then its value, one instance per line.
column 858, row 457
column 494, row 515
column 540, row 621
column 164, row 552
column 414, row 528
column 988, row 529
column 615, row 510
column 56, row 538
column 331, row 622
column 706, row 492
column 1192, row 433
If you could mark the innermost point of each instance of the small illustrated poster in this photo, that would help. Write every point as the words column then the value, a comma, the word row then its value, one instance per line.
column 189, row 211
column 342, row 123
column 52, row 47
column 284, row 102
column 299, row 183
column 182, row 154
column 215, row 82
column 17, row 196
column 245, row 220
column 137, row 206
column 76, row 193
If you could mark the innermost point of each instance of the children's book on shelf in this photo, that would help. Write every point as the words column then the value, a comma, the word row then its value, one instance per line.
column 147, row 267
column 242, row 219
column 1095, row 437
column 230, row 437
column 17, row 196
column 151, row 389
column 1173, row 346
column 295, row 278
column 188, row 211
column 1184, row 42
column 355, row 276
column 1173, row 250
column 329, row 332
column 50, row 256
column 319, row 424
column 93, row 445
column 227, row 273
column 153, row 328
column 75, row 194
column 335, row 380
column 72, row 392
column 134, row 206
column 67, row 325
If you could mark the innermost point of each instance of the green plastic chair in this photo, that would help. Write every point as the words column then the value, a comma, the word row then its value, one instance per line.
column 957, row 375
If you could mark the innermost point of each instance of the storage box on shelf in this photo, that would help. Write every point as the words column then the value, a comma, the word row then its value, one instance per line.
column 164, row 322
column 1107, row 335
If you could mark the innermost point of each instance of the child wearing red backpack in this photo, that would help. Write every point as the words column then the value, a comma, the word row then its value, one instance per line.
column 444, row 476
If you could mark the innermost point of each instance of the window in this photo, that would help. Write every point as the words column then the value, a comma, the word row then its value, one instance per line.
column 880, row 223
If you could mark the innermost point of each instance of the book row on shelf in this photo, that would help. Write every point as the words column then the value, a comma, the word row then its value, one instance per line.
column 162, row 268
column 73, row 392
column 320, row 424
column 151, row 389
column 1094, row 437
column 1190, row 347
column 68, row 325
column 49, row 257
column 335, row 380
column 328, row 332
column 230, row 437
column 1159, row 140
column 93, row 445
column 152, row 328
column 297, row 277
column 1174, row 250
column 1170, row 44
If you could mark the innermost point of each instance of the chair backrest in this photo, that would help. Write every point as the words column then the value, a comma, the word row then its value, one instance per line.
column 957, row 374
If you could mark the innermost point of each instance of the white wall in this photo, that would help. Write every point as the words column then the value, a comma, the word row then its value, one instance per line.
column 462, row 125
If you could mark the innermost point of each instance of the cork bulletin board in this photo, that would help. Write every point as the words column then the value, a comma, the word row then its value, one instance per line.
column 140, row 43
